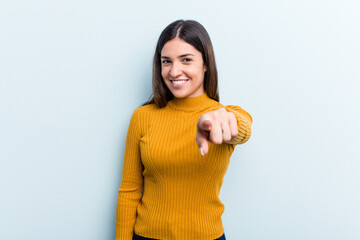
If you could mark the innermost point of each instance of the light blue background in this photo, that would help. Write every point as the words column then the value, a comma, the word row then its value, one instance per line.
column 72, row 72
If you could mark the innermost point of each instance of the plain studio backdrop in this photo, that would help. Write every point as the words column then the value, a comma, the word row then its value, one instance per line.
column 72, row 73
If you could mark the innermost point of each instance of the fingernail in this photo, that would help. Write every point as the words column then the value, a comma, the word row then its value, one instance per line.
column 201, row 151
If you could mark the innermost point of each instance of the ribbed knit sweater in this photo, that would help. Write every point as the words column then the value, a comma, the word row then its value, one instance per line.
column 169, row 191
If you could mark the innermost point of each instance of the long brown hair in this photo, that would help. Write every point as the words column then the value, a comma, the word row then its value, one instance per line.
column 196, row 35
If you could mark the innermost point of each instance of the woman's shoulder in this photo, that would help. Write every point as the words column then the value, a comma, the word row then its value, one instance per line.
column 145, row 110
column 213, row 104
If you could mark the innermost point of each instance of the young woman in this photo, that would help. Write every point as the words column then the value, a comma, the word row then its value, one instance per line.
column 179, row 144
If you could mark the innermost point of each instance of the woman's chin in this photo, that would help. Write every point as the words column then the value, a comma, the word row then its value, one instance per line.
column 180, row 94
column 176, row 95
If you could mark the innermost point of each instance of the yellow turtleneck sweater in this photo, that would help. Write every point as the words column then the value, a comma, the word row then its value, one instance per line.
column 169, row 191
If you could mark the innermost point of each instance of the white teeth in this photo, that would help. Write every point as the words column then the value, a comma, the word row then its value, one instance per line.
column 178, row 81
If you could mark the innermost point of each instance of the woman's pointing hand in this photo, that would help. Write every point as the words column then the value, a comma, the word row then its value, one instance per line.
column 218, row 126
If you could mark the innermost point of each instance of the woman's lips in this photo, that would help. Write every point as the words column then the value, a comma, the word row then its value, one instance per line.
column 178, row 83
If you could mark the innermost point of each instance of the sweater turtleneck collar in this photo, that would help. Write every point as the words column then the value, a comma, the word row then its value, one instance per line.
column 191, row 104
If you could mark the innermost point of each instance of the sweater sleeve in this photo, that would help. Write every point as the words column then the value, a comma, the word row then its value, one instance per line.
column 244, row 121
column 130, row 191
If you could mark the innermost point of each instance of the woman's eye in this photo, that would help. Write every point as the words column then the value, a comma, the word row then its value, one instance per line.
column 165, row 61
column 187, row 59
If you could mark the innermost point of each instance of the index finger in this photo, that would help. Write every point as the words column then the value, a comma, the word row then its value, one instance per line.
column 205, row 124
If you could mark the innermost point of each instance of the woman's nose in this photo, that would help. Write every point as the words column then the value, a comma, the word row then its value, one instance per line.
column 175, row 70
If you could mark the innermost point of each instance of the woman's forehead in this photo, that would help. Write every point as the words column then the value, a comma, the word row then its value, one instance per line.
column 178, row 48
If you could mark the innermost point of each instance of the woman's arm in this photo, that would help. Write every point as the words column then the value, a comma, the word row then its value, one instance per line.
column 130, row 191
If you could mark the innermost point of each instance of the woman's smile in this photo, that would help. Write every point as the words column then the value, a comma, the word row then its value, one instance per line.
column 178, row 83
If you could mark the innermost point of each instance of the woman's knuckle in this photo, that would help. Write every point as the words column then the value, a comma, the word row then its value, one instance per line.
column 234, row 134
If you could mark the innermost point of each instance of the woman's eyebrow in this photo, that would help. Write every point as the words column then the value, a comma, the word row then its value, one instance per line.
column 185, row 55
column 181, row 56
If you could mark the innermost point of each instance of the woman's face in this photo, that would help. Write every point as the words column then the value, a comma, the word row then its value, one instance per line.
column 182, row 68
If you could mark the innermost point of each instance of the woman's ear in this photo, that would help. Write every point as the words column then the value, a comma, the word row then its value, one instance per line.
column 205, row 68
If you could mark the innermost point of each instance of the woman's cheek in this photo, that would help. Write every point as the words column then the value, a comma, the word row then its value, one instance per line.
column 163, row 73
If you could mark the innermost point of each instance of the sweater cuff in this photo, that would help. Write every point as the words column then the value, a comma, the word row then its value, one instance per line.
column 244, row 121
